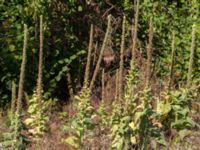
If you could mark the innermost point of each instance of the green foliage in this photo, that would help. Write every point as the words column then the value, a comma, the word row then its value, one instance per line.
column 59, row 44
column 37, row 119
column 120, row 128
column 14, row 139
column 135, row 123
column 103, row 115
column 145, row 125
column 128, row 5
column 121, row 114
column 175, row 111
column 81, row 122
column 169, row 17
column 57, row 75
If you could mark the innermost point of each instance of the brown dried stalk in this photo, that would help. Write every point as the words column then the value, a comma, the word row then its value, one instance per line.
column 87, row 70
column 189, row 76
column 116, row 85
column 121, row 66
column 172, row 62
column 69, row 85
column 95, row 53
column 22, row 73
column 40, row 65
column 103, row 85
column 149, row 53
column 105, row 41
column 135, row 31
column 13, row 100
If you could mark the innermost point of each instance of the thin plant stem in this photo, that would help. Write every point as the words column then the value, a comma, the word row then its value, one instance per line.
column 116, row 84
column 135, row 30
column 121, row 66
column 103, row 85
column 22, row 73
column 13, row 100
column 40, row 66
column 190, row 68
column 20, row 90
column 87, row 70
column 172, row 62
column 149, row 53
column 69, row 85
column 105, row 41
column 95, row 53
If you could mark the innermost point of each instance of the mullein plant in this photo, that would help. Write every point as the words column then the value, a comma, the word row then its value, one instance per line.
column 119, row 121
column 37, row 119
column 145, row 126
column 101, row 111
column 141, row 120
column 82, row 121
column 177, row 104
column 8, row 137
column 14, row 139
column 19, row 139
column 136, row 124
column 121, row 116
column 36, row 122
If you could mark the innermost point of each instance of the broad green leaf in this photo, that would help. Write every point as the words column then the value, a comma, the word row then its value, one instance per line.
column 72, row 140
column 163, row 108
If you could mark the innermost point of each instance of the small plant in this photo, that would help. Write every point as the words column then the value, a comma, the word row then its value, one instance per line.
column 174, row 113
column 144, row 125
column 81, row 122
column 135, row 124
column 103, row 114
column 10, row 136
column 36, row 122
column 121, row 117
column 119, row 128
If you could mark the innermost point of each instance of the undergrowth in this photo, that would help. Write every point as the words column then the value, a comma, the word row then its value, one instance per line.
column 37, row 118
column 81, row 121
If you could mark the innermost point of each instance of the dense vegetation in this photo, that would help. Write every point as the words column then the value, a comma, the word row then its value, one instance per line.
column 99, row 74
